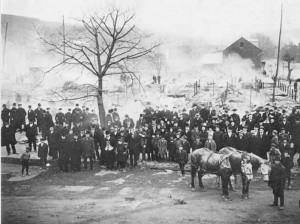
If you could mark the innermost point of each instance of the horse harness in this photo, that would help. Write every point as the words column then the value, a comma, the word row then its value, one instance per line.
column 222, row 163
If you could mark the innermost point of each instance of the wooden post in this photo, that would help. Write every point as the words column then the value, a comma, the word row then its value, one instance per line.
column 278, row 56
column 250, row 97
column 4, row 46
column 64, row 37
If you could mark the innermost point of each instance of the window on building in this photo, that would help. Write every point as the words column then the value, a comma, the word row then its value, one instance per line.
column 241, row 44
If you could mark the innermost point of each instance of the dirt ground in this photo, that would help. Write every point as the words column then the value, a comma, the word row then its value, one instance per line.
column 140, row 195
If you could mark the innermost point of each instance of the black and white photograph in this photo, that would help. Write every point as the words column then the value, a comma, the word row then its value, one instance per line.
column 150, row 111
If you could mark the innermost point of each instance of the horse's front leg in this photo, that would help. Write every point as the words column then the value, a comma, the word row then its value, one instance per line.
column 200, row 175
column 193, row 174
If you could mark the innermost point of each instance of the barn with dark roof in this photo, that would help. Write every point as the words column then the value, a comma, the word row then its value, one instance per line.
column 245, row 49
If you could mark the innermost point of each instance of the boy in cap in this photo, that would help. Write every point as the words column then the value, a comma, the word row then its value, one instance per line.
column 277, row 182
column 25, row 161
column 182, row 159
column 247, row 174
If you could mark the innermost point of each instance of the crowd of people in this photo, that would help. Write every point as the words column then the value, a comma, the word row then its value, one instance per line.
column 160, row 134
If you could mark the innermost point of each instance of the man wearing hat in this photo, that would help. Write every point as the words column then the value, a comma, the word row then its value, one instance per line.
column 20, row 117
column 75, row 153
column 64, row 153
column 193, row 111
column 122, row 153
column 115, row 115
column 31, row 114
column 31, row 133
column 8, row 138
column 60, row 117
column 47, row 122
column 235, row 117
column 68, row 118
column 5, row 114
column 77, row 114
column 43, row 152
column 88, row 149
column 109, row 148
column 277, row 182
column 128, row 122
column 12, row 116
column 39, row 111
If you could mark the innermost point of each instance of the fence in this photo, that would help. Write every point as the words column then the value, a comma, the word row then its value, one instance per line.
column 288, row 89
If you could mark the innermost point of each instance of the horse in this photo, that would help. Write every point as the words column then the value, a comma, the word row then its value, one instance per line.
column 206, row 161
column 258, row 164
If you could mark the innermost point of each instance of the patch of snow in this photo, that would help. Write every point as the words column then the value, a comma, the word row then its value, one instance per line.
column 164, row 172
column 104, row 188
column 118, row 181
column 76, row 188
column 128, row 176
column 106, row 172
column 125, row 191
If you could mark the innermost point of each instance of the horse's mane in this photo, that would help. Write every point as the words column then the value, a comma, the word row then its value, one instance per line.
column 254, row 156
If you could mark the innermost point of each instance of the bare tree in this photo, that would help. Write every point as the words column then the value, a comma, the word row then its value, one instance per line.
column 288, row 58
column 104, row 46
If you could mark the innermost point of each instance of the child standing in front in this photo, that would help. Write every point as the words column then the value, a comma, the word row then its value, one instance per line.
column 25, row 161
column 247, row 174
column 182, row 159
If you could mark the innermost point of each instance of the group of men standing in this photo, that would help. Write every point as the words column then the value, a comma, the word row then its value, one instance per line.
column 156, row 135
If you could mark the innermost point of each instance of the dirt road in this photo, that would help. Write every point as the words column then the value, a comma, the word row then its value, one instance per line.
column 137, row 196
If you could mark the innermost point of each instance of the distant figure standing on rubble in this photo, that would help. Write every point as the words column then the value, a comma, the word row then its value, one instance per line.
column 154, row 79
column 158, row 79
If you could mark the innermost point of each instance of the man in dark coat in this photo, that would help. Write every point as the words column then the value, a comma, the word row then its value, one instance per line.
column 241, row 143
column 218, row 138
column 88, row 149
column 43, row 152
column 20, row 117
column 122, row 153
column 235, row 117
column 8, row 138
column 265, row 143
column 60, row 117
column 98, row 137
column 128, row 122
column 39, row 111
column 110, row 144
column 77, row 115
column 134, row 147
column 5, row 114
column 30, row 114
column 181, row 159
column 255, row 143
column 53, row 142
column 277, row 182
column 68, row 118
column 12, row 116
column 229, row 139
column 75, row 153
column 31, row 133
column 64, row 153
column 115, row 115
column 47, row 122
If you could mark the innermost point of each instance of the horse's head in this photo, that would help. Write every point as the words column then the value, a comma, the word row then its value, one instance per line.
column 264, row 170
column 263, row 166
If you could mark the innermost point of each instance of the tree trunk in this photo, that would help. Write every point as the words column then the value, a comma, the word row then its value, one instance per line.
column 289, row 71
column 100, row 103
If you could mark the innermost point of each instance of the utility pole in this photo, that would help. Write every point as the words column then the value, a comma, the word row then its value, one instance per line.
column 64, row 36
column 278, row 55
column 4, row 46
column 250, row 97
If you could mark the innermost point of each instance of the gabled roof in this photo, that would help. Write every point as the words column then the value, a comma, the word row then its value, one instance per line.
column 244, row 40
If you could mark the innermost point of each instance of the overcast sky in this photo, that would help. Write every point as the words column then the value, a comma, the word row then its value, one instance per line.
column 217, row 21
